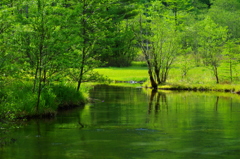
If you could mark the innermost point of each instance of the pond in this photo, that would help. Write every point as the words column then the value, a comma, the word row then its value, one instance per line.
column 132, row 123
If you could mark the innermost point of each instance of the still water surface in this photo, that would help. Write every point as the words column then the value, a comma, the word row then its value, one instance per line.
column 128, row 123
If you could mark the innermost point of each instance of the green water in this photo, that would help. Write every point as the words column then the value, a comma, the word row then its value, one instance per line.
column 128, row 123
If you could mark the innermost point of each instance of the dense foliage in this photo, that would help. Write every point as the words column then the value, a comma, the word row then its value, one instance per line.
column 47, row 42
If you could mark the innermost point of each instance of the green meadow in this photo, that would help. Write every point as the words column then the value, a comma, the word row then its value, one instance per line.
column 197, row 78
column 136, row 72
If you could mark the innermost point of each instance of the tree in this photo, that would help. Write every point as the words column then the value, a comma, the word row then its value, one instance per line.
column 118, row 47
column 85, row 27
column 178, row 6
column 202, row 4
column 40, row 40
column 212, row 38
column 226, row 14
column 165, row 47
column 231, row 52
column 6, row 28
column 145, row 45
column 186, row 61
column 160, row 43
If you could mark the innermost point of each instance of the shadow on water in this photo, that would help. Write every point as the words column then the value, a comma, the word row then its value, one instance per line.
column 5, row 138
column 6, row 130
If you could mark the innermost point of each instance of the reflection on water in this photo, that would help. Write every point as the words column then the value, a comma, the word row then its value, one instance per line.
column 160, row 101
column 130, row 123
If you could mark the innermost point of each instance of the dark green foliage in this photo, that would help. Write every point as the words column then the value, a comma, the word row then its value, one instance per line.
column 122, row 50
column 118, row 46
column 18, row 101
column 226, row 13
column 206, row 2
column 66, row 95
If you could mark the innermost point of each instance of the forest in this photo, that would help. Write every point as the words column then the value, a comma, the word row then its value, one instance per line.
column 50, row 47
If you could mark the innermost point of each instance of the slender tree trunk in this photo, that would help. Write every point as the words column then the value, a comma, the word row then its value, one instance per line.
column 80, row 77
column 44, row 76
column 40, row 70
column 150, row 73
column 175, row 16
column 165, row 74
column 215, row 69
column 35, row 77
column 153, row 82
column 39, row 90
column 145, row 49
column 40, row 56
column 157, row 72
column 39, row 79
column 231, row 73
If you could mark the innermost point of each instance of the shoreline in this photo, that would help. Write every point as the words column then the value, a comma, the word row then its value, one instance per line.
column 234, row 89
column 201, row 87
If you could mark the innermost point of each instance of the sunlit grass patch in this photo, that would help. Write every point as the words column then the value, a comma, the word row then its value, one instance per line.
column 134, row 73
column 135, row 85
column 195, row 75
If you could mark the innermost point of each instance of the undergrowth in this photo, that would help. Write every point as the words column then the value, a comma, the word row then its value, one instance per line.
column 17, row 100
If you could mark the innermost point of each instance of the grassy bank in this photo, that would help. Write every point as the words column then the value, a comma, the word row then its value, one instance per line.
column 18, row 100
column 197, row 78
column 202, row 87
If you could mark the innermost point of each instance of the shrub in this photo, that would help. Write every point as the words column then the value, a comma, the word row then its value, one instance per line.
column 67, row 95
column 18, row 101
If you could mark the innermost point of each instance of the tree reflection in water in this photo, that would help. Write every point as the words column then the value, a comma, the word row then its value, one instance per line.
column 157, row 101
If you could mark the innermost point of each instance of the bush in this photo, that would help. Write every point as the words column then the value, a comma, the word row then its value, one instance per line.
column 16, row 98
column 67, row 95
column 19, row 101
